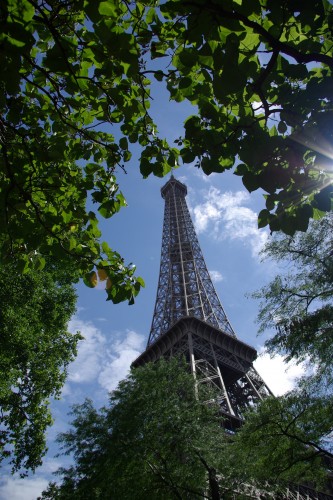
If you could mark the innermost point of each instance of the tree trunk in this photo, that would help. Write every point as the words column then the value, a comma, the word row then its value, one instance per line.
column 214, row 484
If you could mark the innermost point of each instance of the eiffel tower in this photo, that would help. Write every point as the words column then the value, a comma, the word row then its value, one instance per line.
column 189, row 319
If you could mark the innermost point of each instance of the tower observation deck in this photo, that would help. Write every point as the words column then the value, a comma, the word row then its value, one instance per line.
column 189, row 319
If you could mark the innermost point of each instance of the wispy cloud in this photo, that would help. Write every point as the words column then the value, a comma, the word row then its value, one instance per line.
column 226, row 216
column 15, row 488
column 100, row 359
column 216, row 276
column 198, row 172
column 120, row 356
column 279, row 376
column 90, row 352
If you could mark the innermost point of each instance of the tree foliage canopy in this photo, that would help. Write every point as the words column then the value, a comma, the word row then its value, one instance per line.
column 287, row 439
column 61, row 83
column 298, row 305
column 259, row 75
column 36, row 349
column 156, row 440
column 153, row 440
column 298, row 302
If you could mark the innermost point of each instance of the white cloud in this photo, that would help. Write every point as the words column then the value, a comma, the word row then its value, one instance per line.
column 198, row 172
column 216, row 276
column 204, row 214
column 279, row 376
column 90, row 352
column 182, row 178
column 100, row 359
column 13, row 488
column 120, row 357
column 224, row 216
column 50, row 465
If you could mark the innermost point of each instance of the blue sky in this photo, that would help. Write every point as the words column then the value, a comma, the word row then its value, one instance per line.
column 225, row 217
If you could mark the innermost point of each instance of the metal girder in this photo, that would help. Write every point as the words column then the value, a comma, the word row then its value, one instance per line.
column 215, row 359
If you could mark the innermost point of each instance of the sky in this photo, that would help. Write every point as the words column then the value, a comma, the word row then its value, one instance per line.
column 225, row 218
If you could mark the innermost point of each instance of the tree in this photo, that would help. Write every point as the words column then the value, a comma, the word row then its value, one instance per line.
column 153, row 440
column 259, row 75
column 287, row 439
column 285, row 436
column 298, row 304
column 61, row 83
column 36, row 349
column 156, row 440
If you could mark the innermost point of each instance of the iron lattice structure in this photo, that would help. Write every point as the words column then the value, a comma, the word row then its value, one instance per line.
column 189, row 319
column 185, row 287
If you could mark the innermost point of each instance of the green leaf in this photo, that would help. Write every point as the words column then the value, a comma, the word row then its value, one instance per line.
column 303, row 215
column 263, row 218
column 146, row 167
column 187, row 155
column 241, row 169
column 19, row 36
column 159, row 75
column 250, row 181
column 282, row 127
column 140, row 281
column 108, row 208
column 90, row 279
column 105, row 247
column 123, row 143
column 25, row 10
column 270, row 202
column 151, row 16
column 323, row 199
column 107, row 8
column 38, row 263
column 186, row 82
column 188, row 57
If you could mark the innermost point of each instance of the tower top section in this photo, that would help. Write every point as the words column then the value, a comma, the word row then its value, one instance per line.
column 173, row 186
column 185, row 288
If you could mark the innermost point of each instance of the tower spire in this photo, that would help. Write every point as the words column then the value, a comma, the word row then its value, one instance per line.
column 185, row 287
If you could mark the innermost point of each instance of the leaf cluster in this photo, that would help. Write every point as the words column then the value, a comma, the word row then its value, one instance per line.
column 259, row 75
column 299, row 301
column 282, row 440
column 62, row 80
column 156, row 440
